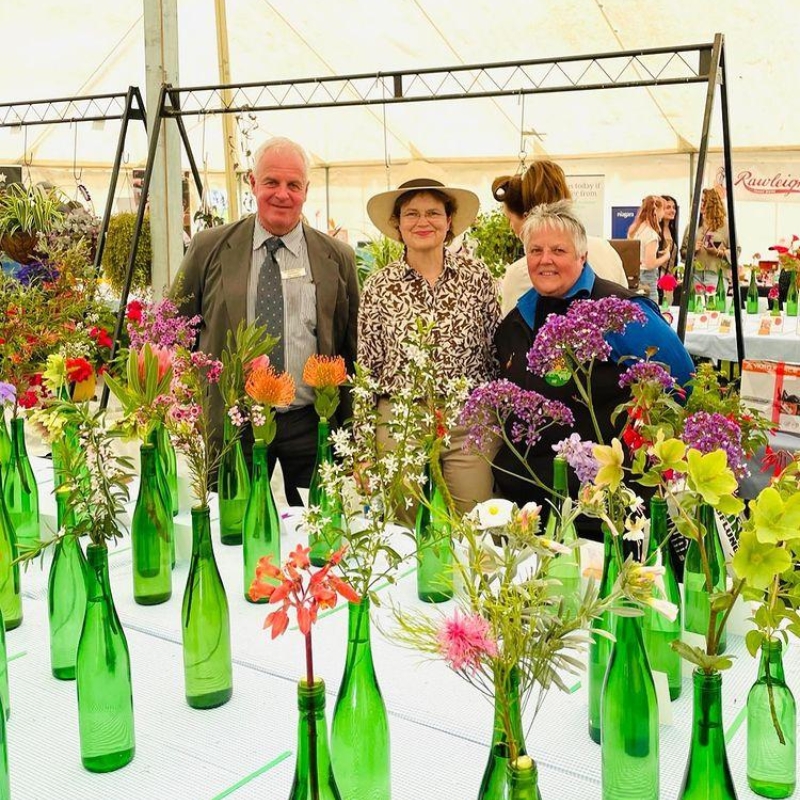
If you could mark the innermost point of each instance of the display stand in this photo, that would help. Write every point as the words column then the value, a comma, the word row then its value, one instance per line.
column 704, row 63
column 124, row 106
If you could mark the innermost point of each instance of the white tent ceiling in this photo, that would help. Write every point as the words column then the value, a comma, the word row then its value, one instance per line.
column 54, row 49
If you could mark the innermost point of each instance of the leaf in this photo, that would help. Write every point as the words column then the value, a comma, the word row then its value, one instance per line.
column 701, row 659
column 753, row 641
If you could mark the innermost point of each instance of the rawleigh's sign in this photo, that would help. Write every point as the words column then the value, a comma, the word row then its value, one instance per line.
column 764, row 182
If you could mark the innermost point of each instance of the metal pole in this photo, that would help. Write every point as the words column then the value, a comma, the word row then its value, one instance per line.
column 726, row 149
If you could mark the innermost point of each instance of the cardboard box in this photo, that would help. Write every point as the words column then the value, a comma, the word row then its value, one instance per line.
column 773, row 388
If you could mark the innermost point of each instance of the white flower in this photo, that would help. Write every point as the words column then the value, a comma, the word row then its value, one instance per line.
column 494, row 513
column 664, row 607
column 556, row 547
column 636, row 528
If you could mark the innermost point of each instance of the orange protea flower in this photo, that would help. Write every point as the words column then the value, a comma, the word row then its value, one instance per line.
column 323, row 371
column 269, row 388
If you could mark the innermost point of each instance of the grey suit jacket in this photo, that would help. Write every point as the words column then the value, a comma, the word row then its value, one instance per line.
column 212, row 282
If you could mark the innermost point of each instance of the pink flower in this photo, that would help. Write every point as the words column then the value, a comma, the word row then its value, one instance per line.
column 261, row 361
column 464, row 640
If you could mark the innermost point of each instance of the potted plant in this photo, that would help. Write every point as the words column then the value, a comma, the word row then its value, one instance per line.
column 495, row 243
column 117, row 251
column 24, row 214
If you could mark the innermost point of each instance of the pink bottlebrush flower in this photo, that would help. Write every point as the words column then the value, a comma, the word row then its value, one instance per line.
column 464, row 640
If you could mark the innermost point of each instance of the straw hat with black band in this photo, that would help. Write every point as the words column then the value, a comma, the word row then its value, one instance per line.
column 381, row 206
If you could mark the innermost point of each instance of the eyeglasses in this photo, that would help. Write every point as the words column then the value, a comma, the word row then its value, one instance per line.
column 432, row 215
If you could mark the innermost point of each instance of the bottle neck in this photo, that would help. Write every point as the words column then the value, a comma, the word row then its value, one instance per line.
column 658, row 528
column 772, row 661
column 260, row 471
column 147, row 454
column 507, row 713
column 97, row 585
column 708, row 705
column 18, row 437
column 201, row 532
column 312, row 732
column 560, row 476
column 65, row 516
column 711, row 539
column 522, row 779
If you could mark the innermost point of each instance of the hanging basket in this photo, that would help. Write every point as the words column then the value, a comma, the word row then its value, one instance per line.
column 18, row 246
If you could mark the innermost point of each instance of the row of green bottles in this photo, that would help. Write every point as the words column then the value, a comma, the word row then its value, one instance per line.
column 324, row 544
column 10, row 587
column 629, row 718
column 771, row 764
column 151, row 536
column 66, row 593
column 697, row 607
column 233, row 487
column 261, row 525
column 20, row 489
column 434, row 548
column 659, row 632
column 565, row 567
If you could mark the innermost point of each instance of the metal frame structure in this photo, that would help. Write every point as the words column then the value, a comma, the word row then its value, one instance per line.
column 703, row 63
column 124, row 106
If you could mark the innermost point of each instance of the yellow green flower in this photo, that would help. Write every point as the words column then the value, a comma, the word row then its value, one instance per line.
column 610, row 459
column 758, row 563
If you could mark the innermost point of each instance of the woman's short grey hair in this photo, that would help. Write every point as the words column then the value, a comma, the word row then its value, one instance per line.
column 558, row 216
column 281, row 143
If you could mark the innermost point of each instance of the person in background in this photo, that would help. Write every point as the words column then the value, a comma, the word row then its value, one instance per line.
column 668, row 240
column 556, row 253
column 712, row 246
column 647, row 229
column 429, row 282
column 273, row 269
column 544, row 182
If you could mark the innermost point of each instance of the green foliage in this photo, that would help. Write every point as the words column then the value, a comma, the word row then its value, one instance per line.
column 375, row 255
column 241, row 347
column 495, row 243
column 28, row 210
column 118, row 248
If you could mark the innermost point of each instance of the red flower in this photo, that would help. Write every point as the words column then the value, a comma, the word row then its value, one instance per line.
column 27, row 399
column 134, row 311
column 101, row 336
column 78, row 369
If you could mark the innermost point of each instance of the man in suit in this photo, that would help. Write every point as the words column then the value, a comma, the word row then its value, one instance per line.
column 229, row 274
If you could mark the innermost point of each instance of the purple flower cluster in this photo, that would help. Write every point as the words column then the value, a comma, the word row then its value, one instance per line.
column 707, row 432
column 579, row 456
column 578, row 335
column 162, row 326
column 647, row 372
column 490, row 406
column 36, row 273
column 8, row 393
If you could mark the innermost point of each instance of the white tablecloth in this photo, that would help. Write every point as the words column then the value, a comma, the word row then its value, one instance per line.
column 440, row 726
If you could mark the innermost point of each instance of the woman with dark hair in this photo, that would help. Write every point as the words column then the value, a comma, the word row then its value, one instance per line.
column 669, row 234
column 429, row 282
column 544, row 182
column 647, row 229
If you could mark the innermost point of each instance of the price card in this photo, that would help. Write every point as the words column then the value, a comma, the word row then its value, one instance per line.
column 663, row 698
column 701, row 321
column 751, row 322
column 725, row 324
column 777, row 324
column 765, row 326
column 714, row 318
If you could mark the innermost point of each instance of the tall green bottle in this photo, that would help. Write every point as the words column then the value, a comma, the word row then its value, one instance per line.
column 169, row 462
column 66, row 593
column 708, row 774
column 629, row 719
column 696, row 607
column 5, row 441
column 791, row 296
column 494, row 785
column 752, row 294
column 103, row 675
column 722, row 294
column 207, row 667
column 262, row 525
column 566, row 567
column 10, row 587
column 600, row 647
column 162, row 481
column 313, row 773
column 150, row 536
column 360, row 748
column 658, row 631
column 691, row 300
column 523, row 779
column 434, row 550
column 21, row 491
column 771, row 764
column 233, row 487
column 323, row 545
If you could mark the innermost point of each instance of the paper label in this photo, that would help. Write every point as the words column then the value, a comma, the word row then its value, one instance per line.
column 662, row 694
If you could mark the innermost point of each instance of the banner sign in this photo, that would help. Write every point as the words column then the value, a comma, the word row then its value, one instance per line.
column 769, row 182
column 622, row 218
column 588, row 193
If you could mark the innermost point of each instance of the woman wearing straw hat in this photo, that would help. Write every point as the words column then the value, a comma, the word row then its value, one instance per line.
column 428, row 281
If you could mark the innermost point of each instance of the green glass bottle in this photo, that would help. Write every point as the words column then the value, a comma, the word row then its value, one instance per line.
column 10, row 587
column 722, row 294
column 752, row 294
column 262, row 525
column 565, row 567
column 66, row 593
column 5, row 441
column 150, row 536
column 162, row 481
column 791, row 295
column 708, row 775
column 629, row 718
column 659, row 632
column 206, row 631
column 691, row 302
column 103, row 675
column 233, row 487
column 322, row 545
column 313, row 773
column 696, row 607
column 494, row 785
column 5, row 695
column 600, row 646
column 771, row 764
column 360, row 748
column 5, row 787
column 21, row 492
column 523, row 779
column 434, row 550
column 169, row 463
